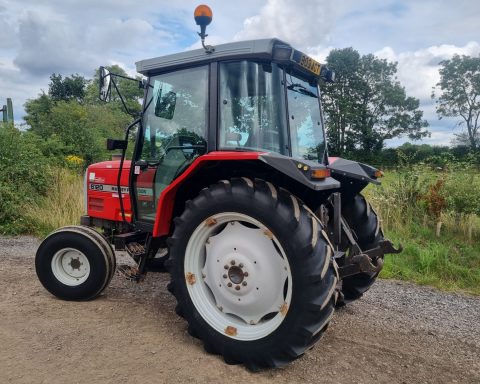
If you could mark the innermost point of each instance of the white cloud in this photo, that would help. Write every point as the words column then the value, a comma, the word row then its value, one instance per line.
column 418, row 70
column 319, row 53
column 418, row 73
column 304, row 25
column 48, row 44
column 438, row 138
column 8, row 35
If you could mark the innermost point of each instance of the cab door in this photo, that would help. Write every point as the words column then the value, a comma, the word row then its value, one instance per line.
column 174, row 134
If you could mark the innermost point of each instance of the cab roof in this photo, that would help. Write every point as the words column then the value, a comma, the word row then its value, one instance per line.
column 260, row 49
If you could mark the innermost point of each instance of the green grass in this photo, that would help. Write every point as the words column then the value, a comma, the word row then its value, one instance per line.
column 63, row 204
column 446, row 263
column 450, row 261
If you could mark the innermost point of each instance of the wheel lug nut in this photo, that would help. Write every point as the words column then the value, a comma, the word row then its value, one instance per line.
column 232, row 262
column 240, row 265
column 245, row 274
column 229, row 284
column 225, row 266
column 224, row 276
column 244, row 283
column 237, row 287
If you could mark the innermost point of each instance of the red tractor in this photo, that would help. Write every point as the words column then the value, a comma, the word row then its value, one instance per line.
column 231, row 190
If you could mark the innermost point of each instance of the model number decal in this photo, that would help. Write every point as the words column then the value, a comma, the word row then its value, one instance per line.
column 96, row 187
column 107, row 188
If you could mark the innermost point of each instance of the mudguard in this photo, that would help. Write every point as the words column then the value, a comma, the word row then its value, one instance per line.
column 342, row 169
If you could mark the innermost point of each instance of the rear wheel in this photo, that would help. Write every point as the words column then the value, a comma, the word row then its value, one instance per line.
column 75, row 263
column 252, row 273
column 364, row 223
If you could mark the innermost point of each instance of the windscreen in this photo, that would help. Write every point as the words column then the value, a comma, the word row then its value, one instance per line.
column 255, row 117
column 306, row 130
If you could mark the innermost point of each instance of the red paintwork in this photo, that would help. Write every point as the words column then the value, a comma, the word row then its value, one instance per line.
column 331, row 160
column 166, row 202
column 106, row 205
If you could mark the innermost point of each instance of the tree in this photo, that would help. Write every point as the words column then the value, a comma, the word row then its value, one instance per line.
column 463, row 139
column 38, row 111
column 367, row 105
column 460, row 94
column 68, row 88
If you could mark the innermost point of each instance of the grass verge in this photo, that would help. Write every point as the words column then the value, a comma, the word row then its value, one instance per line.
column 441, row 239
column 63, row 204
column 447, row 263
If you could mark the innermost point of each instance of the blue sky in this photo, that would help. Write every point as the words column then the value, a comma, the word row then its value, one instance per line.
column 39, row 37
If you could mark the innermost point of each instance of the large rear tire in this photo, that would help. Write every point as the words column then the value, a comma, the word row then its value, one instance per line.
column 252, row 273
column 364, row 223
column 75, row 263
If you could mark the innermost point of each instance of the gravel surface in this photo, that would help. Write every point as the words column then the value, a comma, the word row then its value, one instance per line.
column 397, row 333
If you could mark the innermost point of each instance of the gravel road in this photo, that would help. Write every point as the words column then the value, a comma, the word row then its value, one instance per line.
column 397, row 333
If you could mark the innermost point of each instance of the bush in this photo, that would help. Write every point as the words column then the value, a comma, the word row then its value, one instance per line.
column 462, row 191
column 25, row 176
column 73, row 128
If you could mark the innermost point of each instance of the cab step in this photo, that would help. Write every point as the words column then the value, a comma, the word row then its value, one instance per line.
column 130, row 272
column 122, row 240
column 135, row 250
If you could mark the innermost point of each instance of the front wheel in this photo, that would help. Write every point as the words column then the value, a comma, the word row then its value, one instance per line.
column 252, row 273
column 75, row 263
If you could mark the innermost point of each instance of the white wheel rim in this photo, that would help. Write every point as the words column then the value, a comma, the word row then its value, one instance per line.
column 236, row 275
column 70, row 266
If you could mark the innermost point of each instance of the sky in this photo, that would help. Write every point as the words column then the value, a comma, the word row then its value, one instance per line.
column 41, row 37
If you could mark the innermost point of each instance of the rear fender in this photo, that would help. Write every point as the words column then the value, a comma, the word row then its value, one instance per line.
column 290, row 173
column 352, row 175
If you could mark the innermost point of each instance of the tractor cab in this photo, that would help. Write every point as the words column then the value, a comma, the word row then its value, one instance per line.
column 231, row 190
column 255, row 96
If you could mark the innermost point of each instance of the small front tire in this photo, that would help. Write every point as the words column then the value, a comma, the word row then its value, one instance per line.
column 75, row 263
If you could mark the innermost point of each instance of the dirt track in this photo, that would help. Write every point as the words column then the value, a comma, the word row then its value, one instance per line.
column 398, row 333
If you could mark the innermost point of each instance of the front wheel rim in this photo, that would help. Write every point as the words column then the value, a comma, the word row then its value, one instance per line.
column 238, row 276
column 70, row 266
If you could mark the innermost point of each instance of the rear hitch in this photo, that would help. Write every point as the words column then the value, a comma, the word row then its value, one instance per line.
column 361, row 263
column 370, row 261
column 353, row 260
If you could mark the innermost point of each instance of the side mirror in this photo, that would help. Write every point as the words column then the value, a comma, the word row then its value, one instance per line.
column 104, row 84
column 327, row 75
column 113, row 144
column 165, row 105
column 331, row 76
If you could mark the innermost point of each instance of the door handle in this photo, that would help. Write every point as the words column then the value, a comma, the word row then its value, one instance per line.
column 142, row 164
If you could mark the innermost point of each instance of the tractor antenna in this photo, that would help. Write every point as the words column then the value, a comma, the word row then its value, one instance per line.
column 203, row 16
